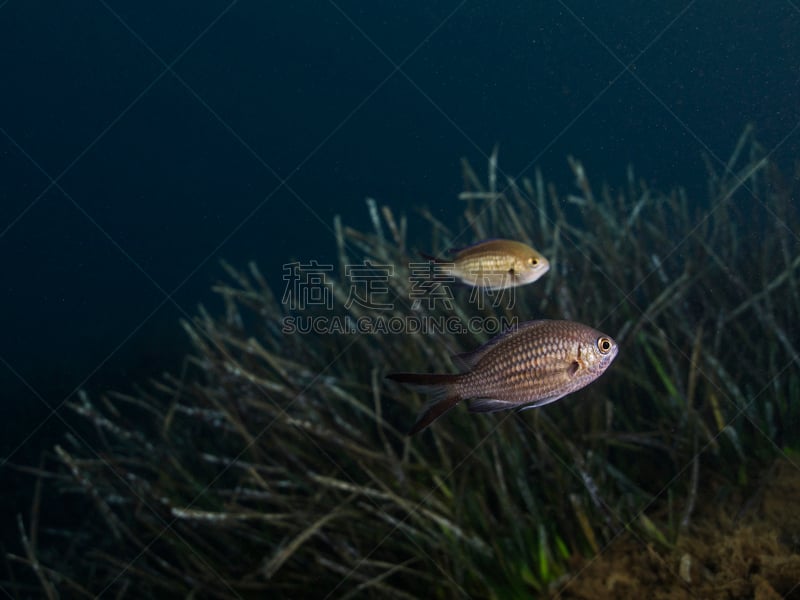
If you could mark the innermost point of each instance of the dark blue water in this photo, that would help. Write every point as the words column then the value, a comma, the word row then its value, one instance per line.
column 140, row 144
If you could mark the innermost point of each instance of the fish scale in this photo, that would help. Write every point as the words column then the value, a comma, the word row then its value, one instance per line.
column 533, row 364
column 489, row 262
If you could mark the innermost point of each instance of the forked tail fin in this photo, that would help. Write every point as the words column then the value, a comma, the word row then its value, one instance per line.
column 441, row 389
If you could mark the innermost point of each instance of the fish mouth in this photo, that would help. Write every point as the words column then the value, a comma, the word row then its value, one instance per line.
column 542, row 268
column 609, row 358
column 532, row 275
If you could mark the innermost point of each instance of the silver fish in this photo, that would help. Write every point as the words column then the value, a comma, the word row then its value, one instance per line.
column 530, row 365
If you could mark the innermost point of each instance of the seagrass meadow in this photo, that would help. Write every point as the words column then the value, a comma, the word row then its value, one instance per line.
column 278, row 462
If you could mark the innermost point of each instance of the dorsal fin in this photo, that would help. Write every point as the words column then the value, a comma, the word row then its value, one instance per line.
column 466, row 361
column 461, row 249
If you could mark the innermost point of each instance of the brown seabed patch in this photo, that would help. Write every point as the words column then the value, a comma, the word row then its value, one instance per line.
column 734, row 552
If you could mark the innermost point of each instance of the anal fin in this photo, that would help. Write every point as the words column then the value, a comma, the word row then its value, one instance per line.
column 485, row 405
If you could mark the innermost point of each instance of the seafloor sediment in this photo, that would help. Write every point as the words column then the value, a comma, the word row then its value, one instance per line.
column 745, row 547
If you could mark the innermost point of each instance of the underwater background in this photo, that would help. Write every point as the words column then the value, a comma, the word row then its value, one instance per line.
column 140, row 145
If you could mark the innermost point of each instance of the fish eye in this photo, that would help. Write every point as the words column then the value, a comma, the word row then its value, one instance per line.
column 533, row 261
column 604, row 344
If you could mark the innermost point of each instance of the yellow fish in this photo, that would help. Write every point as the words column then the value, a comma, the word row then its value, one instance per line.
column 496, row 264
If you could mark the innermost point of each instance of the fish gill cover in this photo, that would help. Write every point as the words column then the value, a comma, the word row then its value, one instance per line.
column 278, row 458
